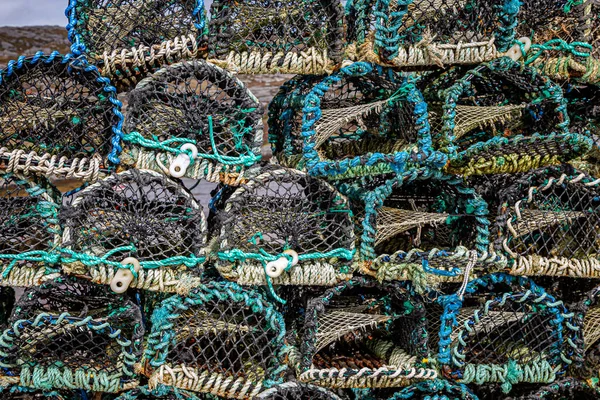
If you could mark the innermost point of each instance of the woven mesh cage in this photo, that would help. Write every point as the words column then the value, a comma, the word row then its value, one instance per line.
column 567, row 44
column 296, row 391
column 129, row 38
column 365, row 120
column 427, row 227
column 417, row 33
column 72, row 334
column 548, row 223
column 288, row 228
column 138, row 228
column 504, row 329
column 58, row 116
column 161, row 393
column 285, row 120
column 7, row 302
column 563, row 389
column 29, row 230
column 220, row 339
column 363, row 334
column 195, row 120
column 268, row 36
column 435, row 389
column 587, row 316
column 503, row 117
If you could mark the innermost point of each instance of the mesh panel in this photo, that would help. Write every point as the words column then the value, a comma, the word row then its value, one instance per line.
column 267, row 36
column 129, row 37
column 564, row 389
column 437, row 389
column 228, row 339
column 21, row 393
column 514, row 333
column 162, row 393
column 357, row 112
column 60, row 110
column 430, row 32
column 139, row 214
column 29, row 230
column 200, row 104
column 548, row 224
column 522, row 121
column 424, row 212
column 73, row 334
column 282, row 210
column 296, row 391
column 361, row 334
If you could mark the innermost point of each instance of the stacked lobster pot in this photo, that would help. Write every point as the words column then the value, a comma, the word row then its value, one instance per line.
column 414, row 215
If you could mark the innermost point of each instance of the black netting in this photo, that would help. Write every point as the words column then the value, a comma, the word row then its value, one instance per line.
column 52, row 105
column 296, row 391
column 21, row 393
column 550, row 215
column 29, row 229
column 563, row 389
column 261, row 36
column 220, row 334
column 112, row 26
column 68, row 333
column 162, row 393
column 286, row 210
column 194, row 103
column 363, row 325
column 139, row 214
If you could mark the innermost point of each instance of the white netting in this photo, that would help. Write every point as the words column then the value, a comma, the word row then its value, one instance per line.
column 591, row 327
column 335, row 324
column 392, row 221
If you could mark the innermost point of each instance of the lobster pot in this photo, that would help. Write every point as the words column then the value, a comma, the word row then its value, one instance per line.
column 365, row 120
column 220, row 339
column 129, row 38
column 362, row 334
column 22, row 393
column 566, row 388
column 502, row 117
column 287, row 228
column 135, row 229
column 196, row 120
column 29, row 230
column 59, row 117
column 296, row 391
column 70, row 334
column 427, row 227
column 569, row 31
column 548, row 224
column 428, row 33
column 285, row 120
column 161, row 393
column 505, row 330
column 435, row 389
column 267, row 36
column 587, row 316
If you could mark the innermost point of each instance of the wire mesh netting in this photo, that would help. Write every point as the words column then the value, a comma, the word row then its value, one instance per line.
column 503, row 117
column 268, row 36
column 221, row 339
column 423, row 223
column 22, row 393
column 418, row 33
column 284, row 216
column 194, row 113
column 365, row 334
column 71, row 334
column 506, row 330
column 139, row 214
column 548, row 223
column 29, row 230
column 129, row 38
column 296, row 391
column 364, row 120
column 435, row 389
column 58, row 116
